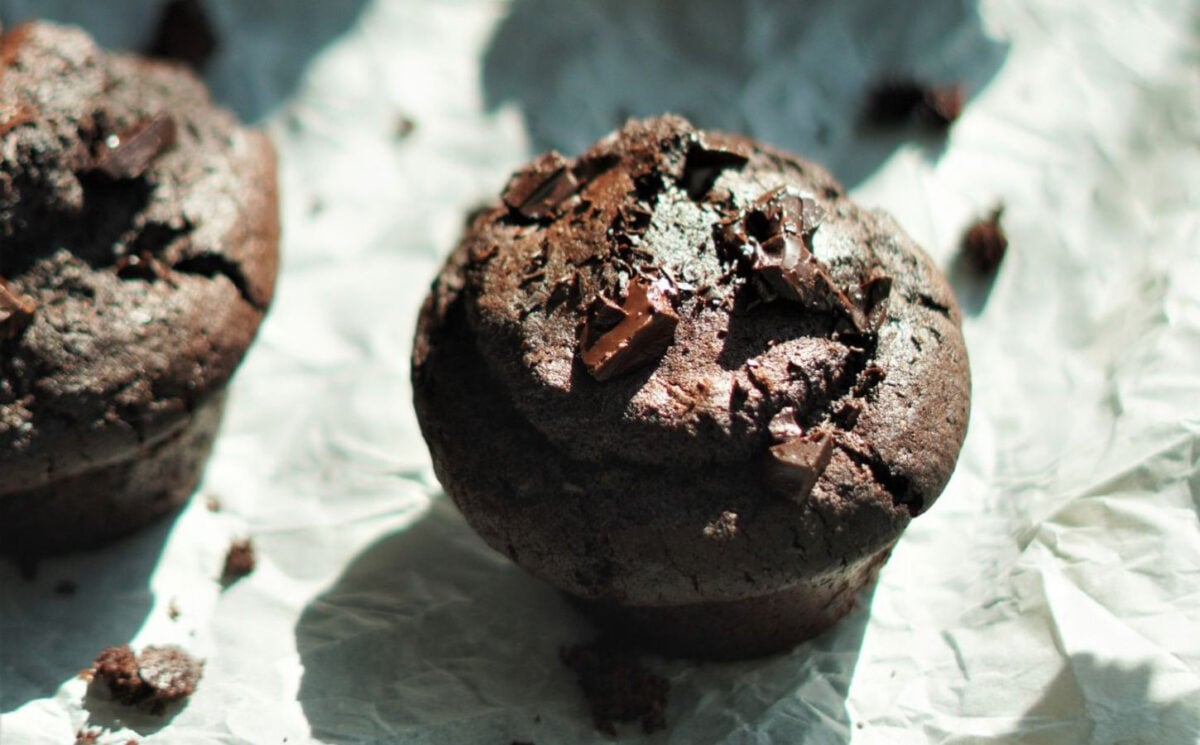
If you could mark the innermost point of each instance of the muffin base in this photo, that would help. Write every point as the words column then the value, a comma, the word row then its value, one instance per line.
column 738, row 629
column 98, row 505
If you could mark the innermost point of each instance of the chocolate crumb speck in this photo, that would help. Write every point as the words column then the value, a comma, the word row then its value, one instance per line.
column 212, row 503
column 185, row 35
column 617, row 686
column 150, row 680
column 403, row 126
column 239, row 561
column 173, row 612
column 985, row 243
column 87, row 736
column 16, row 311
column 722, row 529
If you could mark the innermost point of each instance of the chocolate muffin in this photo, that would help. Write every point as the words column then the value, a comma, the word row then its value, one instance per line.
column 138, row 249
column 686, row 380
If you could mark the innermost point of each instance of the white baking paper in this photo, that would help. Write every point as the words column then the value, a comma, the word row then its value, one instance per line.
column 1051, row 596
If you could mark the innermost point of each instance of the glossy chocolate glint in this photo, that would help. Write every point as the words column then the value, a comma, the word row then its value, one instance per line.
column 129, row 154
column 617, row 339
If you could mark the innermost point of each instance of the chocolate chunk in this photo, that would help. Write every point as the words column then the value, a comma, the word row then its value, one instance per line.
column 16, row 311
column 984, row 244
column 239, row 562
column 537, row 191
column 907, row 102
column 704, row 164
column 130, row 153
column 152, row 679
column 618, row 687
column 775, row 236
column 784, row 426
column 794, row 466
column 185, row 35
column 644, row 331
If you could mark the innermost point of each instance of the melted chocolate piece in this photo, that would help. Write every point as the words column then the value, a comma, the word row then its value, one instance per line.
column 537, row 191
column 704, row 164
column 130, row 153
column 643, row 330
column 16, row 311
column 794, row 465
column 984, row 244
column 185, row 34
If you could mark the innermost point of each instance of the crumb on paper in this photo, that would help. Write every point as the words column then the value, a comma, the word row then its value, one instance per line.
column 617, row 686
column 173, row 610
column 403, row 126
column 87, row 736
column 213, row 503
column 985, row 243
column 239, row 561
column 150, row 680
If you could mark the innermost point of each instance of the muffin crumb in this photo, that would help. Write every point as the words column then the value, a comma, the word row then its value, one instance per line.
column 617, row 685
column 150, row 680
column 985, row 243
column 239, row 561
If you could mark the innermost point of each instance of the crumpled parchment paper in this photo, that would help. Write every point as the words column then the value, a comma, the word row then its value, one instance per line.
column 1051, row 596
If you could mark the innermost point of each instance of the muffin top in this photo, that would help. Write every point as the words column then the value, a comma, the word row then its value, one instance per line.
column 684, row 367
column 693, row 298
column 138, row 240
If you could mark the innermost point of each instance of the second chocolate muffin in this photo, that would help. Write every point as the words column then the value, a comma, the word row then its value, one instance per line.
column 138, row 248
column 683, row 378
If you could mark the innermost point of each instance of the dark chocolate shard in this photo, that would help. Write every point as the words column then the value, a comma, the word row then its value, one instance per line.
column 185, row 35
column 129, row 154
column 536, row 192
column 793, row 466
column 985, row 243
column 16, row 311
column 642, row 335
column 704, row 164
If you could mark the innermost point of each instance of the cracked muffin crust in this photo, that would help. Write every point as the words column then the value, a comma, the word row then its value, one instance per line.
column 683, row 378
column 138, row 251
